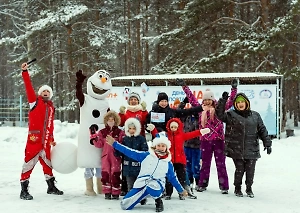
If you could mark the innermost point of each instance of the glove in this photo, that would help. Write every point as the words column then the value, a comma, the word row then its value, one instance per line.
column 150, row 127
column 122, row 109
column 79, row 76
column 93, row 136
column 144, row 105
column 180, row 82
column 234, row 83
column 184, row 193
column 269, row 150
column 204, row 131
column 186, row 100
column 225, row 95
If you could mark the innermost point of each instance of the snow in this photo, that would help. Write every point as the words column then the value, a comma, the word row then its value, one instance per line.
column 275, row 183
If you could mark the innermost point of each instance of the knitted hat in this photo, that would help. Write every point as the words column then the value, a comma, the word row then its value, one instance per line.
column 208, row 94
column 134, row 94
column 177, row 101
column 240, row 98
column 45, row 87
column 161, row 138
column 173, row 123
column 162, row 96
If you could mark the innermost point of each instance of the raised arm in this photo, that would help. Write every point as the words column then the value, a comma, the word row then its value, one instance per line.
column 220, row 108
column 31, row 96
column 79, row 81
column 233, row 93
column 192, row 99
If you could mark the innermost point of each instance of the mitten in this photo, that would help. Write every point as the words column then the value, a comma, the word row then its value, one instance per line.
column 144, row 105
column 180, row 82
column 122, row 109
column 150, row 127
column 269, row 150
column 93, row 136
column 225, row 95
column 79, row 76
column 204, row 131
column 234, row 83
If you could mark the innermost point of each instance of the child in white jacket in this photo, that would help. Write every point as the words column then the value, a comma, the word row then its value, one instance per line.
column 156, row 165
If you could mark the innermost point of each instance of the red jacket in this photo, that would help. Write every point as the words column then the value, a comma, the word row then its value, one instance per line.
column 140, row 115
column 41, row 117
column 177, row 139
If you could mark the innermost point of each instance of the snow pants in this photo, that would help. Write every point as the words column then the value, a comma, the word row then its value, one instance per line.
column 135, row 195
column 30, row 160
column 216, row 148
column 111, row 175
column 193, row 157
column 244, row 166
column 181, row 175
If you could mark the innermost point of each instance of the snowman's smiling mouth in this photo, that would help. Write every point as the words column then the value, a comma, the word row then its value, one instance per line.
column 98, row 90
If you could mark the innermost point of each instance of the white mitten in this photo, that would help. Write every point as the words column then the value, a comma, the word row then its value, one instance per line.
column 150, row 127
column 144, row 105
column 204, row 131
column 122, row 109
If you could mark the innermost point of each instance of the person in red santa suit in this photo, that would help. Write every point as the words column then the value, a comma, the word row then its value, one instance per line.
column 40, row 135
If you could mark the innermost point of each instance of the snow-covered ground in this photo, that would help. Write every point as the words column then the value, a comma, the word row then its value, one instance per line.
column 275, row 185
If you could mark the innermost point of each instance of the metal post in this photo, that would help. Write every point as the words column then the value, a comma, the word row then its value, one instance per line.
column 21, row 111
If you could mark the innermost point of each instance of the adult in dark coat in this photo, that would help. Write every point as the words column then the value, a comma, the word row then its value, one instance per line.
column 244, row 128
column 161, row 112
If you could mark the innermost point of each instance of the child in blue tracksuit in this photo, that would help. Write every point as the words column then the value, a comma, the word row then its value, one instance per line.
column 156, row 165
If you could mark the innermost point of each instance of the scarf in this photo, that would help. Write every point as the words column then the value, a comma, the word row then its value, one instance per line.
column 211, row 110
column 134, row 108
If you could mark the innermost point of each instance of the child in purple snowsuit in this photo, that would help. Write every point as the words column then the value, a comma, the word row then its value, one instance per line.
column 212, row 143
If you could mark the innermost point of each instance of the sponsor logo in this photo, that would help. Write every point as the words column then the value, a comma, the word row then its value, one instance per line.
column 265, row 94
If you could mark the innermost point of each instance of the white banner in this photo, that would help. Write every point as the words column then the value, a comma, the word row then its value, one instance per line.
column 262, row 98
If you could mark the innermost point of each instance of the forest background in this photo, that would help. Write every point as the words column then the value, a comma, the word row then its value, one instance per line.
column 142, row 37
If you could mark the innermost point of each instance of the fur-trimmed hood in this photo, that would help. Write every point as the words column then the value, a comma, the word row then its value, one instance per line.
column 136, row 123
column 178, row 121
column 114, row 115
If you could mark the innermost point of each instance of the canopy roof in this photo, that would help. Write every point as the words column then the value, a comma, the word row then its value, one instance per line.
column 198, row 79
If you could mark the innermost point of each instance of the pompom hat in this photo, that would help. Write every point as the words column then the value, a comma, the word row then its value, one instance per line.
column 45, row 87
column 208, row 95
column 161, row 138
column 134, row 94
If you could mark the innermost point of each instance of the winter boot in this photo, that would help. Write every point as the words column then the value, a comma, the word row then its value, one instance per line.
column 159, row 205
column 191, row 195
column 201, row 189
column 115, row 197
column 238, row 192
column 52, row 188
column 224, row 191
column 168, row 197
column 249, row 192
column 99, row 186
column 181, row 197
column 107, row 196
column 24, row 195
column 143, row 202
column 89, row 187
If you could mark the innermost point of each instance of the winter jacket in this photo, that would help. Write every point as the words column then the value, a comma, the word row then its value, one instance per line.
column 108, row 158
column 169, row 113
column 190, row 123
column 41, row 117
column 140, row 115
column 177, row 139
column 243, row 131
column 215, row 125
column 153, row 171
column 137, row 142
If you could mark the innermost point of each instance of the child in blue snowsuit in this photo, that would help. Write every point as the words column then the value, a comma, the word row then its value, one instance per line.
column 156, row 165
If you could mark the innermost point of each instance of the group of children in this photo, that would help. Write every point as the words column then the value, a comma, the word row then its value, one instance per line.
column 154, row 169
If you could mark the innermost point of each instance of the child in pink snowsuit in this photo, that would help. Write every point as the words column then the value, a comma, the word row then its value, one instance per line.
column 110, row 164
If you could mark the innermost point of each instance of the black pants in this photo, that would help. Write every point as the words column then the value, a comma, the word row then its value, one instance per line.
column 244, row 166
column 181, row 175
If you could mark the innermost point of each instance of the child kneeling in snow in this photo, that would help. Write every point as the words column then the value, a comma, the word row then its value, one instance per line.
column 156, row 165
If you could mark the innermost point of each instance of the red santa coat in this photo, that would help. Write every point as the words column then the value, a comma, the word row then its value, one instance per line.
column 140, row 115
column 177, row 139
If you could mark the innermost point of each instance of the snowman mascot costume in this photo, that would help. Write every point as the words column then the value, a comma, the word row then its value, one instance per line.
column 93, row 107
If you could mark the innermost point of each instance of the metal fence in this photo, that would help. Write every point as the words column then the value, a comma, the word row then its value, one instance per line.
column 13, row 112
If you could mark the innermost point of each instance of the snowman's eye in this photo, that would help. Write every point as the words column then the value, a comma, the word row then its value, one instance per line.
column 105, row 78
column 100, row 76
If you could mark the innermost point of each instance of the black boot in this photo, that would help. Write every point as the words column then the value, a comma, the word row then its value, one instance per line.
column 115, row 197
column 143, row 202
column 24, row 195
column 249, row 192
column 52, row 188
column 238, row 191
column 107, row 196
column 159, row 205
